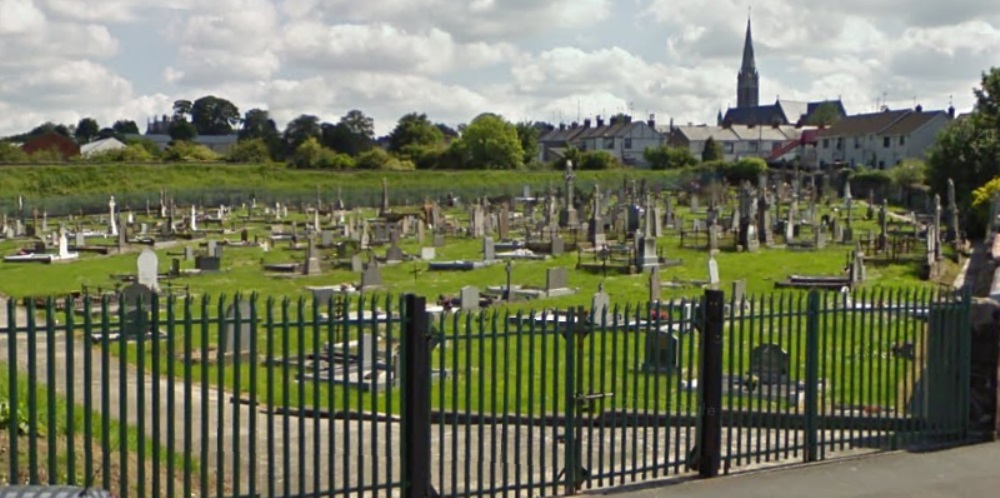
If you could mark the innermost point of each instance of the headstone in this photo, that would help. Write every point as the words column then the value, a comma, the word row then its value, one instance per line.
column 357, row 265
column 558, row 246
column 769, row 363
column 556, row 278
column 394, row 254
column 662, row 352
column 188, row 253
column 136, row 322
column 739, row 290
column 489, row 249
column 148, row 270
column 713, row 272
column 600, row 306
column 236, row 338
column 568, row 215
column 207, row 263
column 112, row 226
column 654, row 285
column 211, row 245
column 427, row 253
column 81, row 240
column 311, row 266
column 438, row 240
column 469, row 298
column 326, row 238
column 371, row 277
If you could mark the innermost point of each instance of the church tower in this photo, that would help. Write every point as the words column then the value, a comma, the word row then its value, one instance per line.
column 748, row 81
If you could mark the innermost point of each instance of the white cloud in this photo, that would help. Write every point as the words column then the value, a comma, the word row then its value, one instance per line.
column 543, row 59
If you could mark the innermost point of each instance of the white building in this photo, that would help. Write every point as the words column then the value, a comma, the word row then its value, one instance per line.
column 624, row 139
column 882, row 139
column 772, row 143
column 99, row 146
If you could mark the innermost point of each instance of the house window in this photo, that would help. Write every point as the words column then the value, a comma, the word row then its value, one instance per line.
column 885, row 142
column 881, row 165
column 727, row 147
column 902, row 140
column 753, row 146
column 628, row 143
column 826, row 143
column 609, row 143
column 840, row 144
column 857, row 142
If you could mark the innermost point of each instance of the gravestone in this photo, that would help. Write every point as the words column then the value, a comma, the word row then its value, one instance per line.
column 236, row 338
column 148, row 267
column 713, row 272
column 81, row 240
column 136, row 300
column 438, row 240
column 489, row 249
column 371, row 277
column 326, row 238
column 211, row 245
column 394, row 254
column 600, row 305
column 469, row 298
column 769, row 363
column 311, row 267
column 654, row 285
column 207, row 263
column 662, row 353
column 739, row 290
column 188, row 253
column 357, row 265
column 558, row 246
column 556, row 279
column 428, row 253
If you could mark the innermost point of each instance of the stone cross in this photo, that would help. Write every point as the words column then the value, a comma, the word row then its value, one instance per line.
column 385, row 198
column 112, row 225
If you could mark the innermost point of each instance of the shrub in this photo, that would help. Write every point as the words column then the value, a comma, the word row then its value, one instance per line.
column 746, row 169
column 254, row 151
column 666, row 157
column 181, row 151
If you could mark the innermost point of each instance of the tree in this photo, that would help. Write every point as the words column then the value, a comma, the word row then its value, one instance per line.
column 528, row 134
column 712, row 152
column 597, row 160
column 86, row 130
column 825, row 115
column 181, row 151
column 378, row 158
column 414, row 129
column 257, row 123
column 747, row 169
column 908, row 175
column 299, row 130
column 667, row 157
column 311, row 154
column 448, row 132
column 490, row 142
column 125, row 127
column 354, row 134
column 10, row 153
column 182, row 130
column 966, row 151
column 182, row 108
column 212, row 115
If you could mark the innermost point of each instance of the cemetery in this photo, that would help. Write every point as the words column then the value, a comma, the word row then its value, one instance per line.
column 611, row 277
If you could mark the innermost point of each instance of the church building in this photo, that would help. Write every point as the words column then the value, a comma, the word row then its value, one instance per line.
column 749, row 112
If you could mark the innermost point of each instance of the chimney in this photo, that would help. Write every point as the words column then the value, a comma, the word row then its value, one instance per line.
column 562, row 126
column 586, row 123
column 951, row 112
column 613, row 121
column 919, row 108
column 600, row 121
column 573, row 125
column 652, row 121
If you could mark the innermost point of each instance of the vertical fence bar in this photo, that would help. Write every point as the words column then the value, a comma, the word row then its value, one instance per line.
column 812, row 377
column 314, row 384
column 710, row 427
column 286, row 403
column 234, row 329
column 154, row 310
column 205, row 400
column 220, row 386
column 88, row 393
column 123, row 453
column 32, row 334
column 105, row 393
column 416, row 400
column 15, row 407
column 188, row 442
column 300, row 374
column 70, row 394
column 570, row 464
column 171, row 394
column 50, row 390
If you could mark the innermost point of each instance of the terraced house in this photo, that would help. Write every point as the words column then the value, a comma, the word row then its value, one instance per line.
column 882, row 139
column 621, row 137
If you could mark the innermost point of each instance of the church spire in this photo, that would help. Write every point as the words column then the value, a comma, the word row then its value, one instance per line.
column 748, row 81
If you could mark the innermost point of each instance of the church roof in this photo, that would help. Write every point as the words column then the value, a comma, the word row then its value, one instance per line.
column 749, row 62
column 785, row 112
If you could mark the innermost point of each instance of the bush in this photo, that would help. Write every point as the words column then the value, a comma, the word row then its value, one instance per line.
column 10, row 153
column 871, row 177
column 666, row 157
column 312, row 155
column 254, row 151
column 747, row 169
column 597, row 160
column 379, row 158
column 134, row 153
column 181, row 151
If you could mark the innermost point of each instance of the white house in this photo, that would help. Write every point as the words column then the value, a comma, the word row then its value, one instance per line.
column 623, row 138
column 99, row 146
column 772, row 143
column 882, row 139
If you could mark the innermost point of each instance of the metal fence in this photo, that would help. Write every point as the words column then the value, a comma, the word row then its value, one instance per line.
column 389, row 397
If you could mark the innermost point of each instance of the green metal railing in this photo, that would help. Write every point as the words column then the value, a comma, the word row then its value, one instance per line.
column 361, row 396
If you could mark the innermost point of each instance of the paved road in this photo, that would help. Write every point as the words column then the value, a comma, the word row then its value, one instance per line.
column 972, row 471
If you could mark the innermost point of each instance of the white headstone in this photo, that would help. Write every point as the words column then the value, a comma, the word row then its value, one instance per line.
column 148, row 266
column 63, row 244
column 112, row 225
column 194, row 219
column 713, row 271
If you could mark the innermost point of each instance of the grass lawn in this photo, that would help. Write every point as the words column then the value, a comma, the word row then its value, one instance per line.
column 526, row 372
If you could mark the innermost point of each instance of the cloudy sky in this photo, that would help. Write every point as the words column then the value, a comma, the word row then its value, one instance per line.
column 551, row 60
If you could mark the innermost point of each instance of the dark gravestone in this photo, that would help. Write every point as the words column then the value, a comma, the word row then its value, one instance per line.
column 208, row 263
column 662, row 353
column 394, row 254
column 769, row 363
column 136, row 300
column 371, row 277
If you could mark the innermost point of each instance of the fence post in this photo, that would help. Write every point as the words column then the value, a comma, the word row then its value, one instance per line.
column 812, row 377
column 416, row 386
column 710, row 437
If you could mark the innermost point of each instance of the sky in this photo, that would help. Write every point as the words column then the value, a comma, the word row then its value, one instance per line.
column 541, row 60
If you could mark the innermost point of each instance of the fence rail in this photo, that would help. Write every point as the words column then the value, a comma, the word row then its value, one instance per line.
column 379, row 397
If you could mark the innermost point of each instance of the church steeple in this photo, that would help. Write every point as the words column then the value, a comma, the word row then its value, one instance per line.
column 748, row 81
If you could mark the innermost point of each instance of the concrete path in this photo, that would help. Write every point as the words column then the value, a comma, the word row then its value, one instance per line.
column 970, row 471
